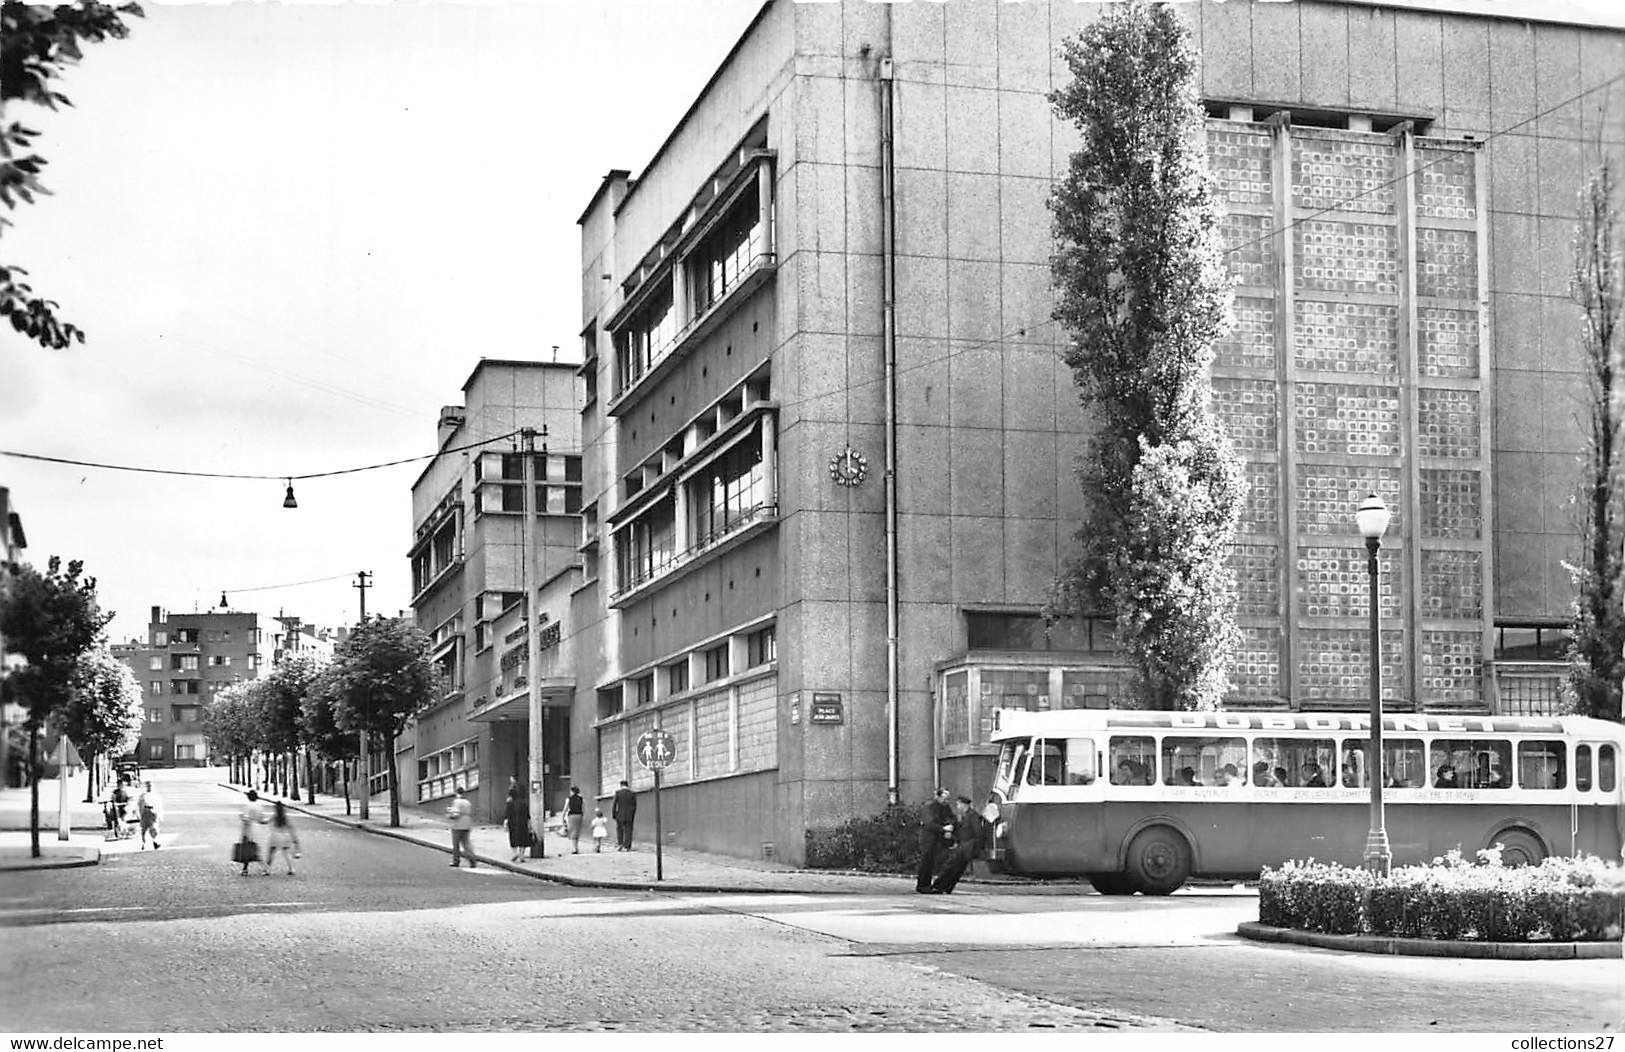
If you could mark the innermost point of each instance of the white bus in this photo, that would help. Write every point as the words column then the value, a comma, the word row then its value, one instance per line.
column 1142, row 801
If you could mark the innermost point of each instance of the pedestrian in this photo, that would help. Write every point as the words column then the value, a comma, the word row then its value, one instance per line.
column 624, row 810
column 151, row 808
column 248, row 834
column 574, row 810
column 968, row 831
column 461, row 813
column 516, row 816
column 600, row 831
column 282, row 839
column 936, row 834
column 123, row 801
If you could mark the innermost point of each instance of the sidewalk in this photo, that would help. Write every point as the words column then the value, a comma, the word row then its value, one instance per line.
column 682, row 870
column 84, row 846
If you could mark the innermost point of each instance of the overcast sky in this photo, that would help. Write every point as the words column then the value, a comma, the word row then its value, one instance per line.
column 290, row 232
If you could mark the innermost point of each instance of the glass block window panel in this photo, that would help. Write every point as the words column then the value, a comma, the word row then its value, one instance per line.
column 758, row 725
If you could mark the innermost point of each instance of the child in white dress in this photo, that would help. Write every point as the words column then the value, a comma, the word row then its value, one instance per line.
column 600, row 830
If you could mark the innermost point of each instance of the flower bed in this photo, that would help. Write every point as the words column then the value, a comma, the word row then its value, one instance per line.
column 1562, row 899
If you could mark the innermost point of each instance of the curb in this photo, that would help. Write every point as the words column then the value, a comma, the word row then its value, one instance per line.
column 1387, row 944
column 556, row 878
column 52, row 863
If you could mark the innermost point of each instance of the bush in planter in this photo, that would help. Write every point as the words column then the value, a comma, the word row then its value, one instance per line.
column 888, row 842
column 1567, row 899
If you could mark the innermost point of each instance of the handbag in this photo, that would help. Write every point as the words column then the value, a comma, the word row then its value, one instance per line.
column 245, row 851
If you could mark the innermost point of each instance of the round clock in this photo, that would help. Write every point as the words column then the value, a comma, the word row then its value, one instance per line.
column 848, row 467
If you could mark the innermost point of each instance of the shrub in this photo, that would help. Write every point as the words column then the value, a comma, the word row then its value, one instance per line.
column 1569, row 899
column 887, row 842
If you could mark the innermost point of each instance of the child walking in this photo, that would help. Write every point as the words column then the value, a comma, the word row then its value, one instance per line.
column 600, row 831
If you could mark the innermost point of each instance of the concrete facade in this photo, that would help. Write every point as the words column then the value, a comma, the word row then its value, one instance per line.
column 467, row 513
column 183, row 663
column 1414, row 340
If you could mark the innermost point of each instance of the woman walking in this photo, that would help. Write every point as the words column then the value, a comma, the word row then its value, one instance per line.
column 248, row 844
column 575, row 809
column 516, row 816
column 282, row 839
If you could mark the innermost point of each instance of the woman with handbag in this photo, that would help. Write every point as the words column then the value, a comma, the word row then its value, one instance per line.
column 247, row 848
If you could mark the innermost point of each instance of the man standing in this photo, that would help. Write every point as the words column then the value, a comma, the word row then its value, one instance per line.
column 461, row 813
column 936, row 831
column 624, row 810
column 968, row 844
column 151, row 808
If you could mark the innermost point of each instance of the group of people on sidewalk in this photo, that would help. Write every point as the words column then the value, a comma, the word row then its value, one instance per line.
column 124, row 808
column 521, row 837
column 951, row 836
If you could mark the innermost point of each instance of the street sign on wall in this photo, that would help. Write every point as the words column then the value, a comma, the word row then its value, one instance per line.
column 656, row 750
column 826, row 708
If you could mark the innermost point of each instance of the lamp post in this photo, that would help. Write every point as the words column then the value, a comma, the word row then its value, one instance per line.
column 1372, row 518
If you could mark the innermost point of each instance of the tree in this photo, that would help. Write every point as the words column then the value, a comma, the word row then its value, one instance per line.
column 103, row 713
column 1597, row 642
column 282, row 696
column 320, row 729
column 381, row 678
column 231, row 727
column 36, row 44
column 1143, row 295
column 50, row 619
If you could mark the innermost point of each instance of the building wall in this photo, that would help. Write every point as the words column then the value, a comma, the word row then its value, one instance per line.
column 989, row 426
column 227, row 651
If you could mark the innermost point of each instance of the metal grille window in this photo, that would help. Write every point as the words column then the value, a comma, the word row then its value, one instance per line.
column 727, row 492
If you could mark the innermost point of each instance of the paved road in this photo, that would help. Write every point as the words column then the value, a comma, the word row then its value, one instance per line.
column 377, row 934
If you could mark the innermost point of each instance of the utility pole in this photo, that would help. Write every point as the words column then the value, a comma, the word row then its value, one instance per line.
column 528, row 581
column 363, row 580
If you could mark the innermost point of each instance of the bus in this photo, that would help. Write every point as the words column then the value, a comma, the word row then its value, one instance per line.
column 1143, row 801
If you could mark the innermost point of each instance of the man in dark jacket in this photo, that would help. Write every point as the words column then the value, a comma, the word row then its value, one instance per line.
column 936, row 833
column 624, row 810
column 968, row 827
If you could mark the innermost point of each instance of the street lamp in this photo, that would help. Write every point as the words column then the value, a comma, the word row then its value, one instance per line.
column 1372, row 518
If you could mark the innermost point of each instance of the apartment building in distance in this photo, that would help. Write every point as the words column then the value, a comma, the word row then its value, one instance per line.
column 183, row 663
column 830, row 444
column 466, row 552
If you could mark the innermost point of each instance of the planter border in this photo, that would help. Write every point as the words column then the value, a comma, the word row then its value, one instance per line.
column 1503, row 951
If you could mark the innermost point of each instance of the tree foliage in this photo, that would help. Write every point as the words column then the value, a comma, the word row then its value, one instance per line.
column 380, row 678
column 37, row 44
column 1597, row 643
column 1143, row 294
column 51, row 619
column 103, row 716
column 232, row 722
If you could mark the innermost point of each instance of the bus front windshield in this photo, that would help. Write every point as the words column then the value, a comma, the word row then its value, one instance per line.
column 1011, row 754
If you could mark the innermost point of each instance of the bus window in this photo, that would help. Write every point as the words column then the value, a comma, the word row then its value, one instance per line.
column 1540, row 765
column 1605, row 768
column 1204, row 761
column 1044, row 768
column 1009, row 762
column 1402, row 763
column 1132, row 760
column 1582, row 768
column 1298, row 763
column 1466, row 763
column 1080, row 761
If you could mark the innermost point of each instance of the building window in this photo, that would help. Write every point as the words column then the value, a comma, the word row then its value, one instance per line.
column 155, row 715
column 1531, row 642
column 185, row 635
column 572, row 469
column 155, row 663
column 643, row 689
column 727, row 252
column 186, row 714
column 646, row 337
column 609, row 703
column 185, row 752
column 761, row 647
column 716, row 662
column 1000, row 630
column 212, row 635
column 677, row 677
column 727, row 492
column 219, row 660
column 647, row 545
column 185, row 662
column 155, row 687
column 155, row 750
column 160, row 638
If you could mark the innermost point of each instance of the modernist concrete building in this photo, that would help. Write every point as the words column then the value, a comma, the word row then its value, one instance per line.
column 184, row 662
column 829, row 442
column 467, row 512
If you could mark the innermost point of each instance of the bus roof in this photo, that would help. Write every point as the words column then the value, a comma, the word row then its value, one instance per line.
column 1019, row 723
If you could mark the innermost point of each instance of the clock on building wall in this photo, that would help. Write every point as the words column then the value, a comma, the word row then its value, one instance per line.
column 848, row 467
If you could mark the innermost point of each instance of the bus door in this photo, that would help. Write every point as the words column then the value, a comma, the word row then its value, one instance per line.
column 1058, row 809
column 1596, row 817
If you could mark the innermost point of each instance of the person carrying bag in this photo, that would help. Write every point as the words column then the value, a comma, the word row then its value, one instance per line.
column 247, row 848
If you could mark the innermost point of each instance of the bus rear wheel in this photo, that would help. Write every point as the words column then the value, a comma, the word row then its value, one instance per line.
column 1519, row 848
column 1112, row 883
column 1159, row 861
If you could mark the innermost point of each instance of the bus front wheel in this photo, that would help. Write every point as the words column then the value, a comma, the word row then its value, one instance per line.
column 1112, row 883
column 1159, row 861
column 1519, row 848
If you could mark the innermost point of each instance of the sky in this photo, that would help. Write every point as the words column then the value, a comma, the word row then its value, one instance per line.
column 289, row 233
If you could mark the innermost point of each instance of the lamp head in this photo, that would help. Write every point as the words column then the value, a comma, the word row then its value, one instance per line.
column 1373, row 518
column 287, row 500
column 222, row 600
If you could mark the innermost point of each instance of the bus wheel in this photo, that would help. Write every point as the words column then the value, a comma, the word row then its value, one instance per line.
column 1159, row 861
column 1519, row 848
column 1112, row 883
